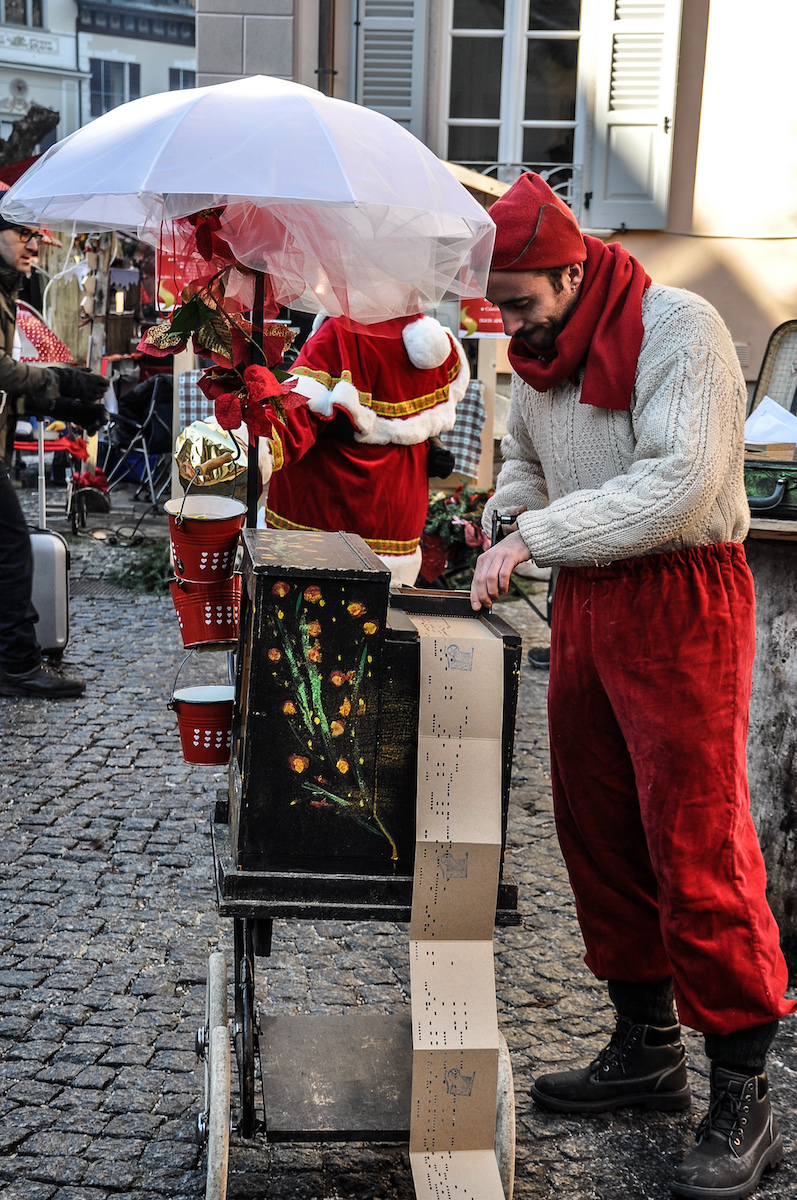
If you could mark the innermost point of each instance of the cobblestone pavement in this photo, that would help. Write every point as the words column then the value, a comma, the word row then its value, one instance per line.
column 108, row 916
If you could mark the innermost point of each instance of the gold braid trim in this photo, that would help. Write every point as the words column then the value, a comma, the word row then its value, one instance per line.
column 405, row 408
column 277, row 451
column 378, row 545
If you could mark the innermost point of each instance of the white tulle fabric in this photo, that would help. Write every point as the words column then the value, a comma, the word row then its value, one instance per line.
column 343, row 208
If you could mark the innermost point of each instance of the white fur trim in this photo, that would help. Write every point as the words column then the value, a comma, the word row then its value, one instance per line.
column 380, row 431
column 426, row 342
column 318, row 321
column 403, row 568
column 409, row 431
column 319, row 398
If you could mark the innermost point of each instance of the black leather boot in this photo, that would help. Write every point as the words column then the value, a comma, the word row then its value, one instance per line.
column 737, row 1141
column 41, row 683
column 641, row 1065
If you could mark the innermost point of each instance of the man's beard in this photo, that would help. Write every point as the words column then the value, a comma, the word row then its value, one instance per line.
column 542, row 340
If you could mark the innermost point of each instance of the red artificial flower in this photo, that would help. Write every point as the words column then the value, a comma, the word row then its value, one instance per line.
column 276, row 338
column 228, row 412
column 258, row 420
column 224, row 389
column 160, row 342
column 261, row 384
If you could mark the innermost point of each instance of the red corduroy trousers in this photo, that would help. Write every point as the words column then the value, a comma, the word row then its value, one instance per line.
column 651, row 664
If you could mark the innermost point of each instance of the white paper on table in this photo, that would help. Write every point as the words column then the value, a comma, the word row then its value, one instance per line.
column 770, row 422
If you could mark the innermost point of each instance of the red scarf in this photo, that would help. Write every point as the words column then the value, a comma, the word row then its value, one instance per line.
column 604, row 332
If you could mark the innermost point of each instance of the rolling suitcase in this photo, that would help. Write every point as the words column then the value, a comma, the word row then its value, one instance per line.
column 50, row 575
column 770, row 473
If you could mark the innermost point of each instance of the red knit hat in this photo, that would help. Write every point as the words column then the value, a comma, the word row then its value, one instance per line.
column 534, row 229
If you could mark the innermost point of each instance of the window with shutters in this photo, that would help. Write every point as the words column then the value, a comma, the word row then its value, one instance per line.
column 23, row 12
column 179, row 79
column 511, row 86
column 635, row 80
column 581, row 91
column 389, row 57
column 113, row 83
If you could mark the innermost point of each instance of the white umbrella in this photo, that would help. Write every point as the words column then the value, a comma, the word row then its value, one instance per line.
column 341, row 207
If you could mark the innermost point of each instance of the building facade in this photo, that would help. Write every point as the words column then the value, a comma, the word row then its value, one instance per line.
column 84, row 57
column 652, row 118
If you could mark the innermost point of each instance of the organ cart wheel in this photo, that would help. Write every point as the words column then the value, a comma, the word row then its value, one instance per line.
column 213, row 1045
column 245, row 1035
column 505, row 1120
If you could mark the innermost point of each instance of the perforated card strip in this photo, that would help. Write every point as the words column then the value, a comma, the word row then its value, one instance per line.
column 457, row 862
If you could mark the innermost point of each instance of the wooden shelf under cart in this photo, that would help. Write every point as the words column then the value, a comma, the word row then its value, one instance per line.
column 360, row 1065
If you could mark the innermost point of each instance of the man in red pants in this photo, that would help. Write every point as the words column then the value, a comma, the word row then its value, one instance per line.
column 624, row 465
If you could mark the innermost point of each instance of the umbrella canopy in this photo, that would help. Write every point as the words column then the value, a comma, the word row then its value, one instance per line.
column 343, row 208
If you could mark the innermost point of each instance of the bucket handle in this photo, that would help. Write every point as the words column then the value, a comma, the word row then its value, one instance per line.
column 226, row 456
column 170, row 703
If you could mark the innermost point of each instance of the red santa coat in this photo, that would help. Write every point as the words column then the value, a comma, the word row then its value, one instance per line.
column 354, row 457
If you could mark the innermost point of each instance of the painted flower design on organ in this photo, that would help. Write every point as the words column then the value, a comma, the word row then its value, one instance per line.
column 319, row 714
column 341, row 677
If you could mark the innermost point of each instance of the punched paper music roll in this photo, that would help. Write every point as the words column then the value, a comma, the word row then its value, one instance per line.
column 457, row 863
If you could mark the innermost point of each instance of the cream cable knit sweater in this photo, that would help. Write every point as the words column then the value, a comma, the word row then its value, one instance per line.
column 664, row 476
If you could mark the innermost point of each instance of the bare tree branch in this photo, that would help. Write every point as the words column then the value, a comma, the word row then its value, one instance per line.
column 28, row 131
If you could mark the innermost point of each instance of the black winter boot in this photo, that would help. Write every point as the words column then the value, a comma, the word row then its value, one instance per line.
column 737, row 1141
column 641, row 1065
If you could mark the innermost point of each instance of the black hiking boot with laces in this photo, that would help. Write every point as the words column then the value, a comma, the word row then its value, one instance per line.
column 737, row 1141
column 642, row 1064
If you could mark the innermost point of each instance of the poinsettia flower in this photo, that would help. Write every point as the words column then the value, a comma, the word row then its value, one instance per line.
column 262, row 384
column 258, row 420
column 160, row 342
column 276, row 339
column 227, row 411
column 224, row 389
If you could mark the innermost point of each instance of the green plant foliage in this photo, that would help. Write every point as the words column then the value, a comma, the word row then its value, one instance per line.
column 150, row 571
column 446, row 512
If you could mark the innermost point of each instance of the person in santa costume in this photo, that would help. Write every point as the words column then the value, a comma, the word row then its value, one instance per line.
column 624, row 467
column 356, row 456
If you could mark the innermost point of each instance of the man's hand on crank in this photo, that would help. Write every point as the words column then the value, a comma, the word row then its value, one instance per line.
column 493, row 568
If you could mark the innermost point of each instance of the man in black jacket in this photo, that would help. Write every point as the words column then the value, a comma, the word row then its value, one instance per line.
column 63, row 392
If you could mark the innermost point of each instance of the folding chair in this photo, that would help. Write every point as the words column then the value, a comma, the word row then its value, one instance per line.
column 143, row 445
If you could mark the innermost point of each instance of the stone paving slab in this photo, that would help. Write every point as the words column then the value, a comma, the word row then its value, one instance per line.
column 108, row 916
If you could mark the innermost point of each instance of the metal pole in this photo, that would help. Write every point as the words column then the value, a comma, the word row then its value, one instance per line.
column 257, row 338
column 326, row 47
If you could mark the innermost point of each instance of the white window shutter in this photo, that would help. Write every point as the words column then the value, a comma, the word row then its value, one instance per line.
column 636, row 76
column 391, row 49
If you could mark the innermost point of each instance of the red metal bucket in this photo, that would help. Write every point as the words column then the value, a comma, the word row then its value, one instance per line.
column 207, row 613
column 204, row 533
column 204, row 715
